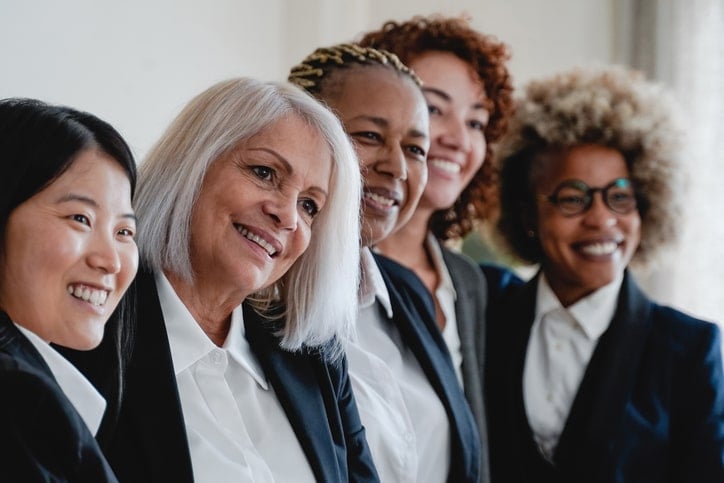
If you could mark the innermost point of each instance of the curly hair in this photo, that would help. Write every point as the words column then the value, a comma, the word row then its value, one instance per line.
column 613, row 107
column 488, row 58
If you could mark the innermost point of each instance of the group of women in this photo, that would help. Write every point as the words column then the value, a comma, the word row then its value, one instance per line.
column 297, row 314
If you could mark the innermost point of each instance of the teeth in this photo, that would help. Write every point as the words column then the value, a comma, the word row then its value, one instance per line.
column 605, row 248
column 95, row 297
column 256, row 239
column 383, row 200
column 447, row 166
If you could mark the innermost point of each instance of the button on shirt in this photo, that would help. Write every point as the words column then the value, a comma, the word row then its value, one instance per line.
column 446, row 297
column 406, row 424
column 237, row 430
column 562, row 341
column 79, row 391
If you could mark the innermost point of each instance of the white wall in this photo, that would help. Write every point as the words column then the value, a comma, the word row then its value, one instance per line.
column 136, row 62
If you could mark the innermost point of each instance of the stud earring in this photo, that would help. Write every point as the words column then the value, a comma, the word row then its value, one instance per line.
column 530, row 233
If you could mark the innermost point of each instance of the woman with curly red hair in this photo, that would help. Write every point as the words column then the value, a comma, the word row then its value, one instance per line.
column 469, row 93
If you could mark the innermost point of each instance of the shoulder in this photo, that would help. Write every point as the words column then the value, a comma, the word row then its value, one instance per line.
column 683, row 331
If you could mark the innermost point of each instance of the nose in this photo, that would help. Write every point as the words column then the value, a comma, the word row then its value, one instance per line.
column 282, row 209
column 454, row 134
column 104, row 254
column 392, row 163
column 599, row 215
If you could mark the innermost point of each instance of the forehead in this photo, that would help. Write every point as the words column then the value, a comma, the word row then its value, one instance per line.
column 447, row 72
column 379, row 91
column 593, row 164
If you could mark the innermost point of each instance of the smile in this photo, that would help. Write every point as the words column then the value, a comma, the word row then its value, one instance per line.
column 94, row 296
column 266, row 245
column 444, row 165
column 379, row 199
column 599, row 249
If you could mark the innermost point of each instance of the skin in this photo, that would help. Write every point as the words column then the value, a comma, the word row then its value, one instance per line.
column 571, row 264
column 273, row 186
column 77, row 234
column 455, row 96
column 389, row 128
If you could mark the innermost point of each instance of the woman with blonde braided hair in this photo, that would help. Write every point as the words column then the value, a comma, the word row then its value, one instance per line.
column 419, row 426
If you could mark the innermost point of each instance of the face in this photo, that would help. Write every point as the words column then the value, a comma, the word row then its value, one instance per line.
column 386, row 117
column 258, row 202
column 584, row 252
column 68, row 253
column 455, row 97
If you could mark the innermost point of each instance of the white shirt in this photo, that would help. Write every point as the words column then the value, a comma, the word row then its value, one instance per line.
column 446, row 297
column 562, row 341
column 79, row 391
column 406, row 424
column 236, row 427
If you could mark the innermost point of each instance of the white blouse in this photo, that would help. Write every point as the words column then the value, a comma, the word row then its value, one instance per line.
column 236, row 427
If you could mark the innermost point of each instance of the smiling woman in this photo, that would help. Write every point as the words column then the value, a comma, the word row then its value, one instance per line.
column 249, row 238
column 67, row 256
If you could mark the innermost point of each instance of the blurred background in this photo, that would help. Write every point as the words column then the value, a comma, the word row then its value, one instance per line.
column 135, row 63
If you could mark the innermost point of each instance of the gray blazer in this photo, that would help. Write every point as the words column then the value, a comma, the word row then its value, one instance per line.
column 471, row 289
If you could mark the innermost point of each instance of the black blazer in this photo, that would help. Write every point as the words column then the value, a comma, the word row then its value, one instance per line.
column 415, row 319
column 148, row 441
column 43, row 436
column 650, row 407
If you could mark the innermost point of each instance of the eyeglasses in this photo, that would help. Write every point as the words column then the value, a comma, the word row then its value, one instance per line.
column 573, row 197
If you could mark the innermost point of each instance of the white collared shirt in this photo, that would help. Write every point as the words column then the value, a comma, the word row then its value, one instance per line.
column 446, row 297
column 406, row 424
column 79, row 391
column 562, row 341
column 236, row 427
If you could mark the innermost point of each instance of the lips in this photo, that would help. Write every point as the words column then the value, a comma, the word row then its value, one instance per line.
column 93, row 295
column 599, row 248
column 271, row 246
column 381, row 198
column 444, row 165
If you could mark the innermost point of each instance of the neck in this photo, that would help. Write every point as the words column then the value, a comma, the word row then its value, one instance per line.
column 407, row 244
column 210, row 305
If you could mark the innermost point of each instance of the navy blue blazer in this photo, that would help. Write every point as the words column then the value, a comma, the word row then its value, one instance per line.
column 650, row 407
column 43, row 436
column 415, row 318
column 148, row 443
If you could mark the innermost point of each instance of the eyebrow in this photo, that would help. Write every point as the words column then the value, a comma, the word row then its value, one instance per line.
column 446, row 97
column 70, row 197
column 287, row 167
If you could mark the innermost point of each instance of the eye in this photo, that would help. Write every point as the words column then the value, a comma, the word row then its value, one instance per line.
column 367, row 137
column 417, row 151
column 310, row 207
column 433, row 110
column 82, row 219
column 477, row 125
column 263, row 172
column 127, row 233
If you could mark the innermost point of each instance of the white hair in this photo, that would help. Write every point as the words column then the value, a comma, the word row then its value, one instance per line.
column 319, row 292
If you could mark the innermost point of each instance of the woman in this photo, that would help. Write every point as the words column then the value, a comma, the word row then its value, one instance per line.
column 249, row 244
column 588, row 379
column 469, row 93
column 67, row 255
column 417, row 421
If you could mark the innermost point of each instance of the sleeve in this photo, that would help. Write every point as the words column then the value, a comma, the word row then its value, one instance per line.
column 359, row 457
column 43, row 437
column 699, row 445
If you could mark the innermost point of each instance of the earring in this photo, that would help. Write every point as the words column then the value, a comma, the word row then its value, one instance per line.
column 530, row 233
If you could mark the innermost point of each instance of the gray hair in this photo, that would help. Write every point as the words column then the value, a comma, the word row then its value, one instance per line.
column 319, row 292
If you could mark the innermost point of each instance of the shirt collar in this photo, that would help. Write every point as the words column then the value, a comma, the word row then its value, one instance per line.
column 189, row 343
column 79, row 391
column 372, row 285
column 592, row 313
column 435, row 252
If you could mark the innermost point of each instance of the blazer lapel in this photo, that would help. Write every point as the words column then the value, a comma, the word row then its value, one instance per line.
column 14, row 343
column 151, row 398
column 296, row 383
column 606, row 387
column 425, row 340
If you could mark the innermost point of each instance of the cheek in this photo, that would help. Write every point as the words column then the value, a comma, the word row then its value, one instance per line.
column 129, row 261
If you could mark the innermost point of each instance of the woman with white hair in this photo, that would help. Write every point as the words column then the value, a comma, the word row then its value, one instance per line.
column 249, row 244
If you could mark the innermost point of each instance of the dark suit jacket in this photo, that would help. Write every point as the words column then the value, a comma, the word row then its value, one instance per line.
column 650, row 407
column 148, row 441
column 43, row 436
column 415, row 319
